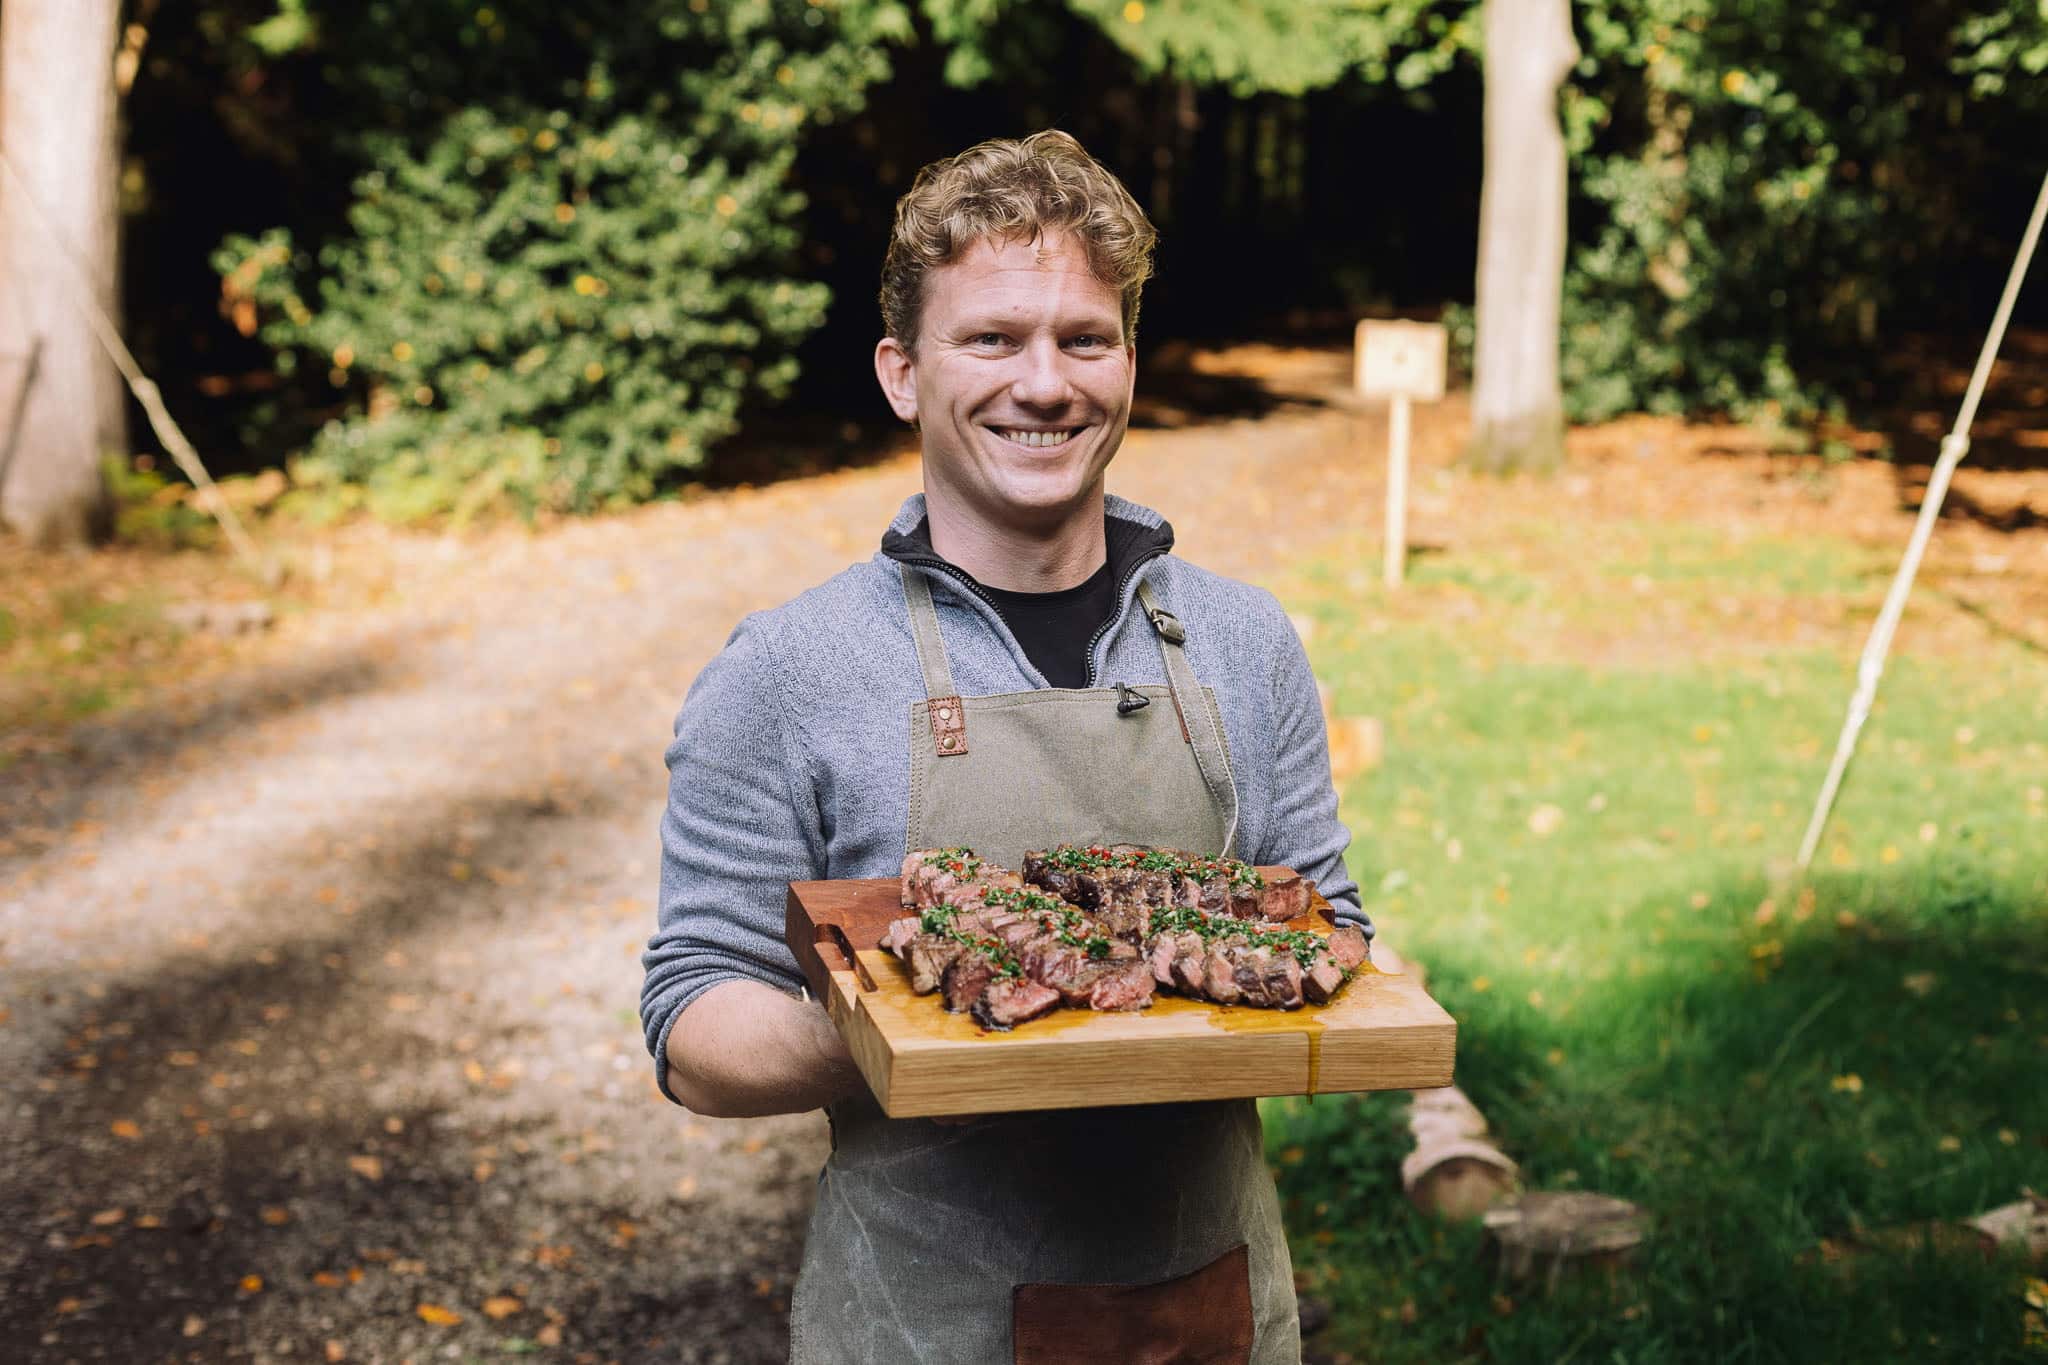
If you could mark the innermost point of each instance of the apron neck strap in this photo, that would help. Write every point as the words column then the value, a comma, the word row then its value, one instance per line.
column 1201, row 724
column 924, row 630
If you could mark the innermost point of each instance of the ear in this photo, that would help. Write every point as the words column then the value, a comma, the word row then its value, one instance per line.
column 896, row 372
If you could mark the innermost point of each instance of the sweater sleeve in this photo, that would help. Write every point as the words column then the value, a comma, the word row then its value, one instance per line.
column 1304, row 831
column 741, row 822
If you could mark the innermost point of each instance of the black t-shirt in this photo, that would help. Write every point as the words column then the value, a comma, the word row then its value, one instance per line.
column 1056, row 628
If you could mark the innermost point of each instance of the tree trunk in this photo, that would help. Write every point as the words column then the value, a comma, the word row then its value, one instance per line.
column 1517, row 407
column 57, row 125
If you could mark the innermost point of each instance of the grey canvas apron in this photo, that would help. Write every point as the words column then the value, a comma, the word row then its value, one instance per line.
column 1148, row 1233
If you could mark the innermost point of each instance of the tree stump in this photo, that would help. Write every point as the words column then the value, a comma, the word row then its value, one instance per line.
column 1549, row 1233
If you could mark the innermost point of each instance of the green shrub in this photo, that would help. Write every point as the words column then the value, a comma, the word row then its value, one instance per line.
column 560, row 308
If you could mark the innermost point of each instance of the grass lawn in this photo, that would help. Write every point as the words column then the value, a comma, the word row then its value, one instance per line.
column 1600, row 744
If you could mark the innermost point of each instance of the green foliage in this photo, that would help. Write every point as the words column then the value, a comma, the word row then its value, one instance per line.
column 1753, row 183
column 565, row 304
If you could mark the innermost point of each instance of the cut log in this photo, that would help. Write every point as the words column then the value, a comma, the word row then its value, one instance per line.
column 2021, row 1226
column 1548, row 1233
column 1453, row 1170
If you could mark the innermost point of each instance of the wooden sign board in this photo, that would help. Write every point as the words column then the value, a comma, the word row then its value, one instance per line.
column 1402, row 360
column 1381, row 1032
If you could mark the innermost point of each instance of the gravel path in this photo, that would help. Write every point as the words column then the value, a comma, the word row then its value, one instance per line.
column 318, row 1008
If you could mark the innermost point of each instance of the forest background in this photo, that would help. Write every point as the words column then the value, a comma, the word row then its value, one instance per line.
column 444, row 255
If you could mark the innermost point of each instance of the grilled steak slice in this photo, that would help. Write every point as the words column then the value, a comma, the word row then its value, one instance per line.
column 1347, row 945
column 1282, row 898
column 929, row 955
column 1283, row 981
column 1219, row 978
column 1161, row 958
column 1075, row 887
column 965, row 978
column 1122, row 985
column 896, row 938
column 1322, row 979
column 950, row 876
column 1010, row 1001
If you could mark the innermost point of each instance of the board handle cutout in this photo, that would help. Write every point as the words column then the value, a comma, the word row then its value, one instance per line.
column 832, row 936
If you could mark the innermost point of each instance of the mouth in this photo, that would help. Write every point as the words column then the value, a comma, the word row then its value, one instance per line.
column 1037, row 438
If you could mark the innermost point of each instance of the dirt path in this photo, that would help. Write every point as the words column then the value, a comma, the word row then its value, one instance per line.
column 318, row 992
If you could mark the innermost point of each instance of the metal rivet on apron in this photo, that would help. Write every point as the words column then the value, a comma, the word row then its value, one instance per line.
column 946, row 743
column 945, row 713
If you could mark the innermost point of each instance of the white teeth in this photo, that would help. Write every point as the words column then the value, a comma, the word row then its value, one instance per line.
column 1036, row 438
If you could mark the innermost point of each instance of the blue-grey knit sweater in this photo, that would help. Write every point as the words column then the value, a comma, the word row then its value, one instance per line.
column 791, row 759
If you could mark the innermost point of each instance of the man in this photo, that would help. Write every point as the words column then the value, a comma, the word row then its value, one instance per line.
column 1016, row 667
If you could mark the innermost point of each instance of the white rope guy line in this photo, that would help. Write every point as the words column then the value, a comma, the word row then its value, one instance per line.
column 1953, row 447
column 146, row 392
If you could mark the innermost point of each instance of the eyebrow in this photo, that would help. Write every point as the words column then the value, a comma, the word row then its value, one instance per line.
column 1107, row 323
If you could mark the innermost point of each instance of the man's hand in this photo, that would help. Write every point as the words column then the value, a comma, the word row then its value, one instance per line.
column 743, row 1049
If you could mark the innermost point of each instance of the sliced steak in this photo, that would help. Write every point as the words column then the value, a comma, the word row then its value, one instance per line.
column 1283, row 897
column 1161, row 959
column 965, row 978
column 1283, row 981
column 1349, row 947
column 1219, row 978
column 1322, row 979
column 929, row 955
column 1125, row 985
column 1009, row 1001
column 896, row 938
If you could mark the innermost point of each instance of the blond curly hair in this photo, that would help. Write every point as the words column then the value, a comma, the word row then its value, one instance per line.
column 1014, row 189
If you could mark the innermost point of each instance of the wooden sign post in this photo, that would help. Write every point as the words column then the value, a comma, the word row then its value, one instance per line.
column 1401, row 362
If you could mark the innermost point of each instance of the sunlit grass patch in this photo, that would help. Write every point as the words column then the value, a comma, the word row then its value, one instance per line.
column 1588, row 859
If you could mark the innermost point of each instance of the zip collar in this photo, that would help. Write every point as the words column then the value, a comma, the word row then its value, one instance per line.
column 1133, row 536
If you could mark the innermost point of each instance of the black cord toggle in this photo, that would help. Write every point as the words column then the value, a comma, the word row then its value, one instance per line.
column 1128, row 701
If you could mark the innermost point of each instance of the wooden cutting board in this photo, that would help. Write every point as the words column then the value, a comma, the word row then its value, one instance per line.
column 1382, row 1032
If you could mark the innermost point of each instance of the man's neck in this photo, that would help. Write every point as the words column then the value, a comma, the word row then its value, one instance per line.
column 1020, row 558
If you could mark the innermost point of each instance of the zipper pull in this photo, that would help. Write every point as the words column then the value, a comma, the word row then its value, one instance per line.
column 1128, row 701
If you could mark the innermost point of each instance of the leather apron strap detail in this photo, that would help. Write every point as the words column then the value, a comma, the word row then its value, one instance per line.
column 924, row 632
column 949, row 725
column 1206, row 732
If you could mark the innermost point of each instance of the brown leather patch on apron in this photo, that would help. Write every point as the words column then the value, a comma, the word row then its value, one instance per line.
column 1202, row 1318
column 949, row 725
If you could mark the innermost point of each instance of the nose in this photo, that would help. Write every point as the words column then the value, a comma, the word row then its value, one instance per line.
column 1041, row 378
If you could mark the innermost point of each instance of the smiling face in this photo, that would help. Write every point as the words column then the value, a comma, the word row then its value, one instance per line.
column 1021, row 385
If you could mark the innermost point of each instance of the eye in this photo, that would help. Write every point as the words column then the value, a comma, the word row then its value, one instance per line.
column 1089, row 341
column 987, row 339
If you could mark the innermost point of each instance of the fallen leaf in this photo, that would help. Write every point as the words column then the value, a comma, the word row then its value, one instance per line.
column 368, row 1167
column 327, row 1279
column 252, row 1284
column 437, row 1315
column 125, row 1128
column 275, row 1215
column 1848, row 1083
column 183, row 1057
column 549, row 1335
column 194, row 1325
column 483, row 1171
column 501, row 1306
column 336, row 1352
column 69, row 1305
column 106, row 1218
